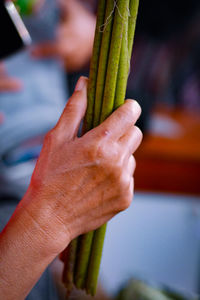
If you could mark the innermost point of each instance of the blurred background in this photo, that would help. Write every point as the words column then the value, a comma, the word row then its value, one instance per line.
column 157, row 240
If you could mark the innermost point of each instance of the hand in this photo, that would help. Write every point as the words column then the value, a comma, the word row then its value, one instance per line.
column 83, row 182
column 74, row 40
column 8, row 84
column 78, row 184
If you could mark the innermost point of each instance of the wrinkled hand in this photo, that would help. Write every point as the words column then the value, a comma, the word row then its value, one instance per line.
column 83, row 182
column 8, row 84
column 74, row 39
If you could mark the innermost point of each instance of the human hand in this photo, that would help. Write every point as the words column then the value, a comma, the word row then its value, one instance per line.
column 80, row 183
column 74, row 38
column 8, row 84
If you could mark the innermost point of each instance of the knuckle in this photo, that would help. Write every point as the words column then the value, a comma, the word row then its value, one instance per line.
column 95, row 151
column 106, row 151
column 50, row 138
column 131, row 164
column 115, row 168
column 125, row 201
column 100, row 151
column 72, row 104
column 121, row 177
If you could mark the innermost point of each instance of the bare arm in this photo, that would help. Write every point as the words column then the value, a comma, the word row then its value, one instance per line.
column 78, row 184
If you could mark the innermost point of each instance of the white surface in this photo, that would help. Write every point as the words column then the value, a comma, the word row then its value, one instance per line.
column 158, row 239
column 165, row 126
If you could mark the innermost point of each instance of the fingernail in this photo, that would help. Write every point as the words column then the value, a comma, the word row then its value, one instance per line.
column 80, row 84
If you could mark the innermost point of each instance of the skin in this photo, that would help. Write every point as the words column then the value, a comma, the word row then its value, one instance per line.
column 78, row 184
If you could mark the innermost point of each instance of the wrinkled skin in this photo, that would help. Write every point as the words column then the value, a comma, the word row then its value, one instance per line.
column 88, row 180
column 78, row 185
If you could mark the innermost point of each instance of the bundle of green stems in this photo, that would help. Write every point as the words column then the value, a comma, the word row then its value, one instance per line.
column 108, row 76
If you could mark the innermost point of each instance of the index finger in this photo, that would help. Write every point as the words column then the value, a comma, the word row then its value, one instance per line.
column 121, row 120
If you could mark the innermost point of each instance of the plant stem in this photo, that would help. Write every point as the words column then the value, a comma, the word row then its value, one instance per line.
column 106, row 91
column 126, row 50
column 82, row 259
column 123, row 69
column 68, row 272
column 106, row 28
column 114, row 56
column 85, row 241
column 95, row 260
column 88, row 122
column 133, row 10
column 107, row 108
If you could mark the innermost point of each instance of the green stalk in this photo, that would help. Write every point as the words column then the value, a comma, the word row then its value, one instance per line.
column 95, row 260
column 126, row 50
column 133, row 10
column 123, row 70
column 82, row 259
column 114, row 56
column 107, row 108
column 106, row 28
column 69, row 266
column 85, row 241
column 107, row 80
column 88, row 122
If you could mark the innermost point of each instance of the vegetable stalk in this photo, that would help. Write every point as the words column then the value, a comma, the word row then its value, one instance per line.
column 107, row 108
column 108, row 77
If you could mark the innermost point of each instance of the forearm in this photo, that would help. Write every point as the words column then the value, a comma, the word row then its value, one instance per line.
column 27, row 246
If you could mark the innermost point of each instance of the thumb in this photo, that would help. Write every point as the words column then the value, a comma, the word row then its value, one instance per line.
column 69, row 122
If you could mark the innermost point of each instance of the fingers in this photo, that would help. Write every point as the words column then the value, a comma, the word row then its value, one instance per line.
column 10, row 84
column 121, row 120
column 74, row 111
column 131, row 140
column 131, row 165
